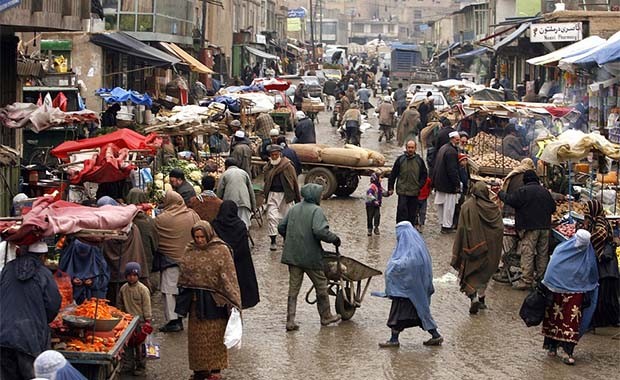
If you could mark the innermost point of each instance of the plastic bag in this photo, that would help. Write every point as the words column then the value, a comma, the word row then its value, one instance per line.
column 151, row 349
column 234, row 330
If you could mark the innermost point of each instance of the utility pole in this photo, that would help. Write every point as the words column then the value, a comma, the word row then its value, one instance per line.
column 321, row 21
column 312, row 32
column 204, row 78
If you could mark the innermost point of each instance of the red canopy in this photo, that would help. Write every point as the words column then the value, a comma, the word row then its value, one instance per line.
column 272, row 84
column 122, row 138
column 108, row 166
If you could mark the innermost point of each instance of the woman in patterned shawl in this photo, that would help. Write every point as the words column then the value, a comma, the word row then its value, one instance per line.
column 208, row 290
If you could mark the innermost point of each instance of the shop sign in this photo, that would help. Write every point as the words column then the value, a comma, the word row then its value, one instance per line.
column 293, row 25
column 297, row 13
column 558, row 32
column 261, row 39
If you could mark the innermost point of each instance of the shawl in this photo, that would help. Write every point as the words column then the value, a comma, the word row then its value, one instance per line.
column 526, row 164
column 206, row 205
column 409, row 272
column 136, row 196
column 174, row 226
column 210, row 268
column 233, row 231
column 119, row 252
column 148, row 232
column 478, row 242
column 289, row 179
column 599, row 227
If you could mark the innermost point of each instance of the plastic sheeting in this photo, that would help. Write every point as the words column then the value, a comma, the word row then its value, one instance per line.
column 574, row 145
column 119, row 95
column 579, row 47
column 108, row 166
column 122, row 138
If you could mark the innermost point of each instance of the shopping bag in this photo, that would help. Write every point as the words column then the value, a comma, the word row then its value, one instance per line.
column 151, row 349
column 234, row 330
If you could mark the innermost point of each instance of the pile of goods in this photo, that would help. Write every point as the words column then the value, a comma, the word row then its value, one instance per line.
column 484, row 143
column 494, row 160
column 350, row 155
column 95, row 310
column 562, row 209
column 213, row 166
column 567, row 230
column 312, row 105
column 281, row 110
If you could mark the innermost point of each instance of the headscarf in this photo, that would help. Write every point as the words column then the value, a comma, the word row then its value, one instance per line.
column 174, row 226
column 599, row 227
column 52, row 365
column 526, row 164
column 136, row 196
column 409, row 272
column 228, row 226
column 573, row 267
column 210, row 268
column 488, row 210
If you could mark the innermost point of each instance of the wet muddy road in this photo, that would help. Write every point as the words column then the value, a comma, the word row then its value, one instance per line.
column 495, row 344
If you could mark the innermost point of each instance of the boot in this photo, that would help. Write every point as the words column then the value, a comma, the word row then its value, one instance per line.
column 291, row 309
column 322, row 304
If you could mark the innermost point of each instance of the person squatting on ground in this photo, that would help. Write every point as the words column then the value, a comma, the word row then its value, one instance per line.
column 409, row 283
column 374, row 198
column 477, row 245
column 304, row 228
column 572, row 279
column 281, row 190
column 447, row 183
column 135, row 299
column 409, row 175
column 534, row 207
column 208, row 290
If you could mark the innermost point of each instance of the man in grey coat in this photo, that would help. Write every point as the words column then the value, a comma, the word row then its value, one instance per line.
column 304, row 228
column 235, row 185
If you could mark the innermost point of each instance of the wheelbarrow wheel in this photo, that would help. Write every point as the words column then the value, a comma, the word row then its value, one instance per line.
column 343, row 308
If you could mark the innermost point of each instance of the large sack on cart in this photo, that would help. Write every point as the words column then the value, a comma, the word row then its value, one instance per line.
column 307, row 152
column 344, row 156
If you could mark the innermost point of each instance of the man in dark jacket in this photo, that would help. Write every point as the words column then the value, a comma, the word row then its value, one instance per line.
column 443, row 136
column 400, row 99
column 533, row 206
column 290, row 154
column 29, row 300
column 303, row 229
column 304, row 129
column 447, row 182
column 180, row 185
column 409, row 174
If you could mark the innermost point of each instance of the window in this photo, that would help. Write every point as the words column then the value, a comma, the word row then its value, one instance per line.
column 127, row 23
column 417, row 13
column 358, row 28
column 376, row 28
column 145, row 23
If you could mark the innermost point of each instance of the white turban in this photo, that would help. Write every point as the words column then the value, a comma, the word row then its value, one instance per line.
column 582, row 238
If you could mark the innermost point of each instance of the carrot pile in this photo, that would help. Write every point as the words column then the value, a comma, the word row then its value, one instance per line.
column 91, row 344
column 104, row 311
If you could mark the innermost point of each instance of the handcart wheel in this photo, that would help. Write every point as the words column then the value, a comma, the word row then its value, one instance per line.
column 343, row 308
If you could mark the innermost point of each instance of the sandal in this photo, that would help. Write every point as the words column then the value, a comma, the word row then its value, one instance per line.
column 569, row 360
column 552, row 353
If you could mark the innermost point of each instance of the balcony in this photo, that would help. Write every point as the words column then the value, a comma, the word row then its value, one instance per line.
column 39, row 15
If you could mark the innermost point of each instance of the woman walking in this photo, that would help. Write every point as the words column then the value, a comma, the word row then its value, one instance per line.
column 232, row 230
column 572, row 278
column 409, row 283
column 607, row 311
column 208, row 290
column 478, row 245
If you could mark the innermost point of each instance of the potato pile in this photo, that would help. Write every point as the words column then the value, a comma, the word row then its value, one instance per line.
column 484, row 143
column 562, row 209
column 494, row 160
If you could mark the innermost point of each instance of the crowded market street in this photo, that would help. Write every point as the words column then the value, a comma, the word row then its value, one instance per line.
column 495, row 344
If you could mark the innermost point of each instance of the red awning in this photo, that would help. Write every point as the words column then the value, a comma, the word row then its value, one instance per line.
column 123, row 138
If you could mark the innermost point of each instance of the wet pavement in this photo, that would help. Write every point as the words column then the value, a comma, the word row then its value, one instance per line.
column 495, row 344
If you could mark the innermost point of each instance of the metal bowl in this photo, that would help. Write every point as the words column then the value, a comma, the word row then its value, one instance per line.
column 77, row 322
column 106, row 324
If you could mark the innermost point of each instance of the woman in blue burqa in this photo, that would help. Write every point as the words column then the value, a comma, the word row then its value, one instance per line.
column 572, row 278
column 409, row 283
column 88, row 270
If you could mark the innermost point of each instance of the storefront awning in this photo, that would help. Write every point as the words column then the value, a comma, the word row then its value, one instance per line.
column 446, row 52
column 293, row 47
column 194, row 64
column 512, row 36
column 260, row 53
column 567, row 51
column 471, row 53
column 125, row 44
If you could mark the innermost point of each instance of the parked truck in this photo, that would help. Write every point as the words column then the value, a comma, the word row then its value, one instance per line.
column 406, row 66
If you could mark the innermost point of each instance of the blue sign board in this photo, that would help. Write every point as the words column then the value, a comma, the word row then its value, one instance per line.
column 297, row 13
column 6, row 4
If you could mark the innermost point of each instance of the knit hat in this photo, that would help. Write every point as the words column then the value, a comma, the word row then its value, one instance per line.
column 235, row 123
column 462, row 157
column 530, row 176
column 274, row 148
column 176, row 173
column 274, row 132
column 38, row 247
column 132, row 268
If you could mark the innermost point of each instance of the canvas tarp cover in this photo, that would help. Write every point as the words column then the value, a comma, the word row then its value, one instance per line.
column 122, row 138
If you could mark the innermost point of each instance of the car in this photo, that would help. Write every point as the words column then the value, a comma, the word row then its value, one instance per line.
column 312, row 86
column 423, row 86
column 440, row 101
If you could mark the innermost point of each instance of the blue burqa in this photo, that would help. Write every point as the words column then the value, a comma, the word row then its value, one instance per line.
column 409, row 273
column 85, row 261
column 574, row 269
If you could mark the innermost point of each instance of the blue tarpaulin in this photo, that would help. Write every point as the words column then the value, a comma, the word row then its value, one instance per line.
column 405, row 47
column 471, row 53
column 6, row 4
column 610, row 53
column 118, row 95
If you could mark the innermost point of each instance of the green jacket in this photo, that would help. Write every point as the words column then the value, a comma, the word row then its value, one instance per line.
column 303, row 228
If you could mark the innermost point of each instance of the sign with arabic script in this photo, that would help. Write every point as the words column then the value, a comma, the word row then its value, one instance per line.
column 559, row 32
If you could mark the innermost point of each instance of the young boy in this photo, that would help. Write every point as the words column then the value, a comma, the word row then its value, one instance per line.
column 374, row 197
column 135, row 299
column 425, row 191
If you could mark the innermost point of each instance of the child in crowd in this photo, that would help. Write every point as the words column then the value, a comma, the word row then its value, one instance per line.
column 135, row 299
column 374, row 197
column 423, row 195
